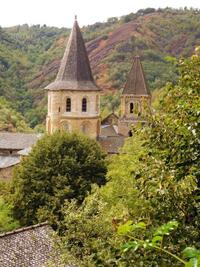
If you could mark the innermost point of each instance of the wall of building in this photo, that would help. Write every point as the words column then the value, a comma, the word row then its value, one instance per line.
column 8, row 151
column 75, row 120
column 140, row 106
column 6, row 173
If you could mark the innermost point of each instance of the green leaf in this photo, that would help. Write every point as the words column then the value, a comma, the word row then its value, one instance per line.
column 191, row 252
column 147, row 244
column 125, row 228
column 131, row 245
column 140, row 225
column 165, row 229
column 194, row 262
column 156, row 239
column 130, row 227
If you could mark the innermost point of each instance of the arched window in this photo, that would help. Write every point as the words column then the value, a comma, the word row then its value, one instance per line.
column 131, row 107
column 68, row 104
column 84, row 104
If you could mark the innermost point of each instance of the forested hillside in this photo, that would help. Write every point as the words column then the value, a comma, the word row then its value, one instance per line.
column 10, row 119
column 30, row 55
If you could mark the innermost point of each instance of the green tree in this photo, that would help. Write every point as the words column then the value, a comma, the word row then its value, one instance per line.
column 11, row 120
column 7, row 222
column 60, row 166
column 155, row 179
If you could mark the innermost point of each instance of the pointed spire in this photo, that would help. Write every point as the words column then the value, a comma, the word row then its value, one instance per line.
column 136, row 83
column 74, row 72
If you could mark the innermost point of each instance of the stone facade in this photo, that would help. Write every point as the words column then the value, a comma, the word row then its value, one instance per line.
column 135, row 99
column 74, row 97
column 134, row 109
column 73, row 120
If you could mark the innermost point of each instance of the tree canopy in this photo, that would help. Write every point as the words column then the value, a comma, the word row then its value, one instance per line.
column 153, row 181
column 60, row 166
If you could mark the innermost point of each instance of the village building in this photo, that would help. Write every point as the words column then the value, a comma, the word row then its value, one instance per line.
column 12, row 147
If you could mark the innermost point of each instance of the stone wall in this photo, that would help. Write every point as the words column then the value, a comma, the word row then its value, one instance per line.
column 6, row 174
column 75, row 120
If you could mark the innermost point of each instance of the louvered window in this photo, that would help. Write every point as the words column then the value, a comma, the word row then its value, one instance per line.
column 68, row 104
column 84, row 105
column 131, row 107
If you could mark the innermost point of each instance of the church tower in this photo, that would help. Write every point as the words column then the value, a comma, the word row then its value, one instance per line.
column 74, row 97
column 135, row 98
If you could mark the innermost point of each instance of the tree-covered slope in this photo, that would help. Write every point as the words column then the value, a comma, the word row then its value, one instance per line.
column 10, row 119
column 30, row 56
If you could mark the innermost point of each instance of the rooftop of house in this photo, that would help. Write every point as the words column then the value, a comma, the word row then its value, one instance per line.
column 111, row 119
column 9, row 160
column 74, row 72
column 26, row 247
column 17, row 141
column 109, row 130
column 136, row 83
column 111, row 144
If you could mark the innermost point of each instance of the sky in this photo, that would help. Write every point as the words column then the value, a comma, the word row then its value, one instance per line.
column 60, row 13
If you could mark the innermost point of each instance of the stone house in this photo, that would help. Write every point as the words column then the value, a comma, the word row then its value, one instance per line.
column 12, row 147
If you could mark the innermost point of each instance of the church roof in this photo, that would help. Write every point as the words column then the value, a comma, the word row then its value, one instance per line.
column 136, row 83
column 108, row 130
column 74, row 72
column 111, row 144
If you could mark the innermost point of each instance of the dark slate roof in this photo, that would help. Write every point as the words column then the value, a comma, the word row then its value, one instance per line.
column 17, row 141
column 136, row 83
column 111, row 144
column 75, row 72
column 112, row 117
column 8, row 161
column 109, row 130
column 26, row 247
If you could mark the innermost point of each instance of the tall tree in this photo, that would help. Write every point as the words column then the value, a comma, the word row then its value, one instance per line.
column 60, row 166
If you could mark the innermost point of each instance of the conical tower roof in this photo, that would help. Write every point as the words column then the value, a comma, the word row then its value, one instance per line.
column 136, row 83
column 74, row 72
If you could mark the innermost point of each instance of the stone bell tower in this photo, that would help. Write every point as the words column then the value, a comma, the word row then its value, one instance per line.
column 135, row 99
column 74, row 97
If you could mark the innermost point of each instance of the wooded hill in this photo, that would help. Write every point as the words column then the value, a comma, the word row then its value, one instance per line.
column 30, row 55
